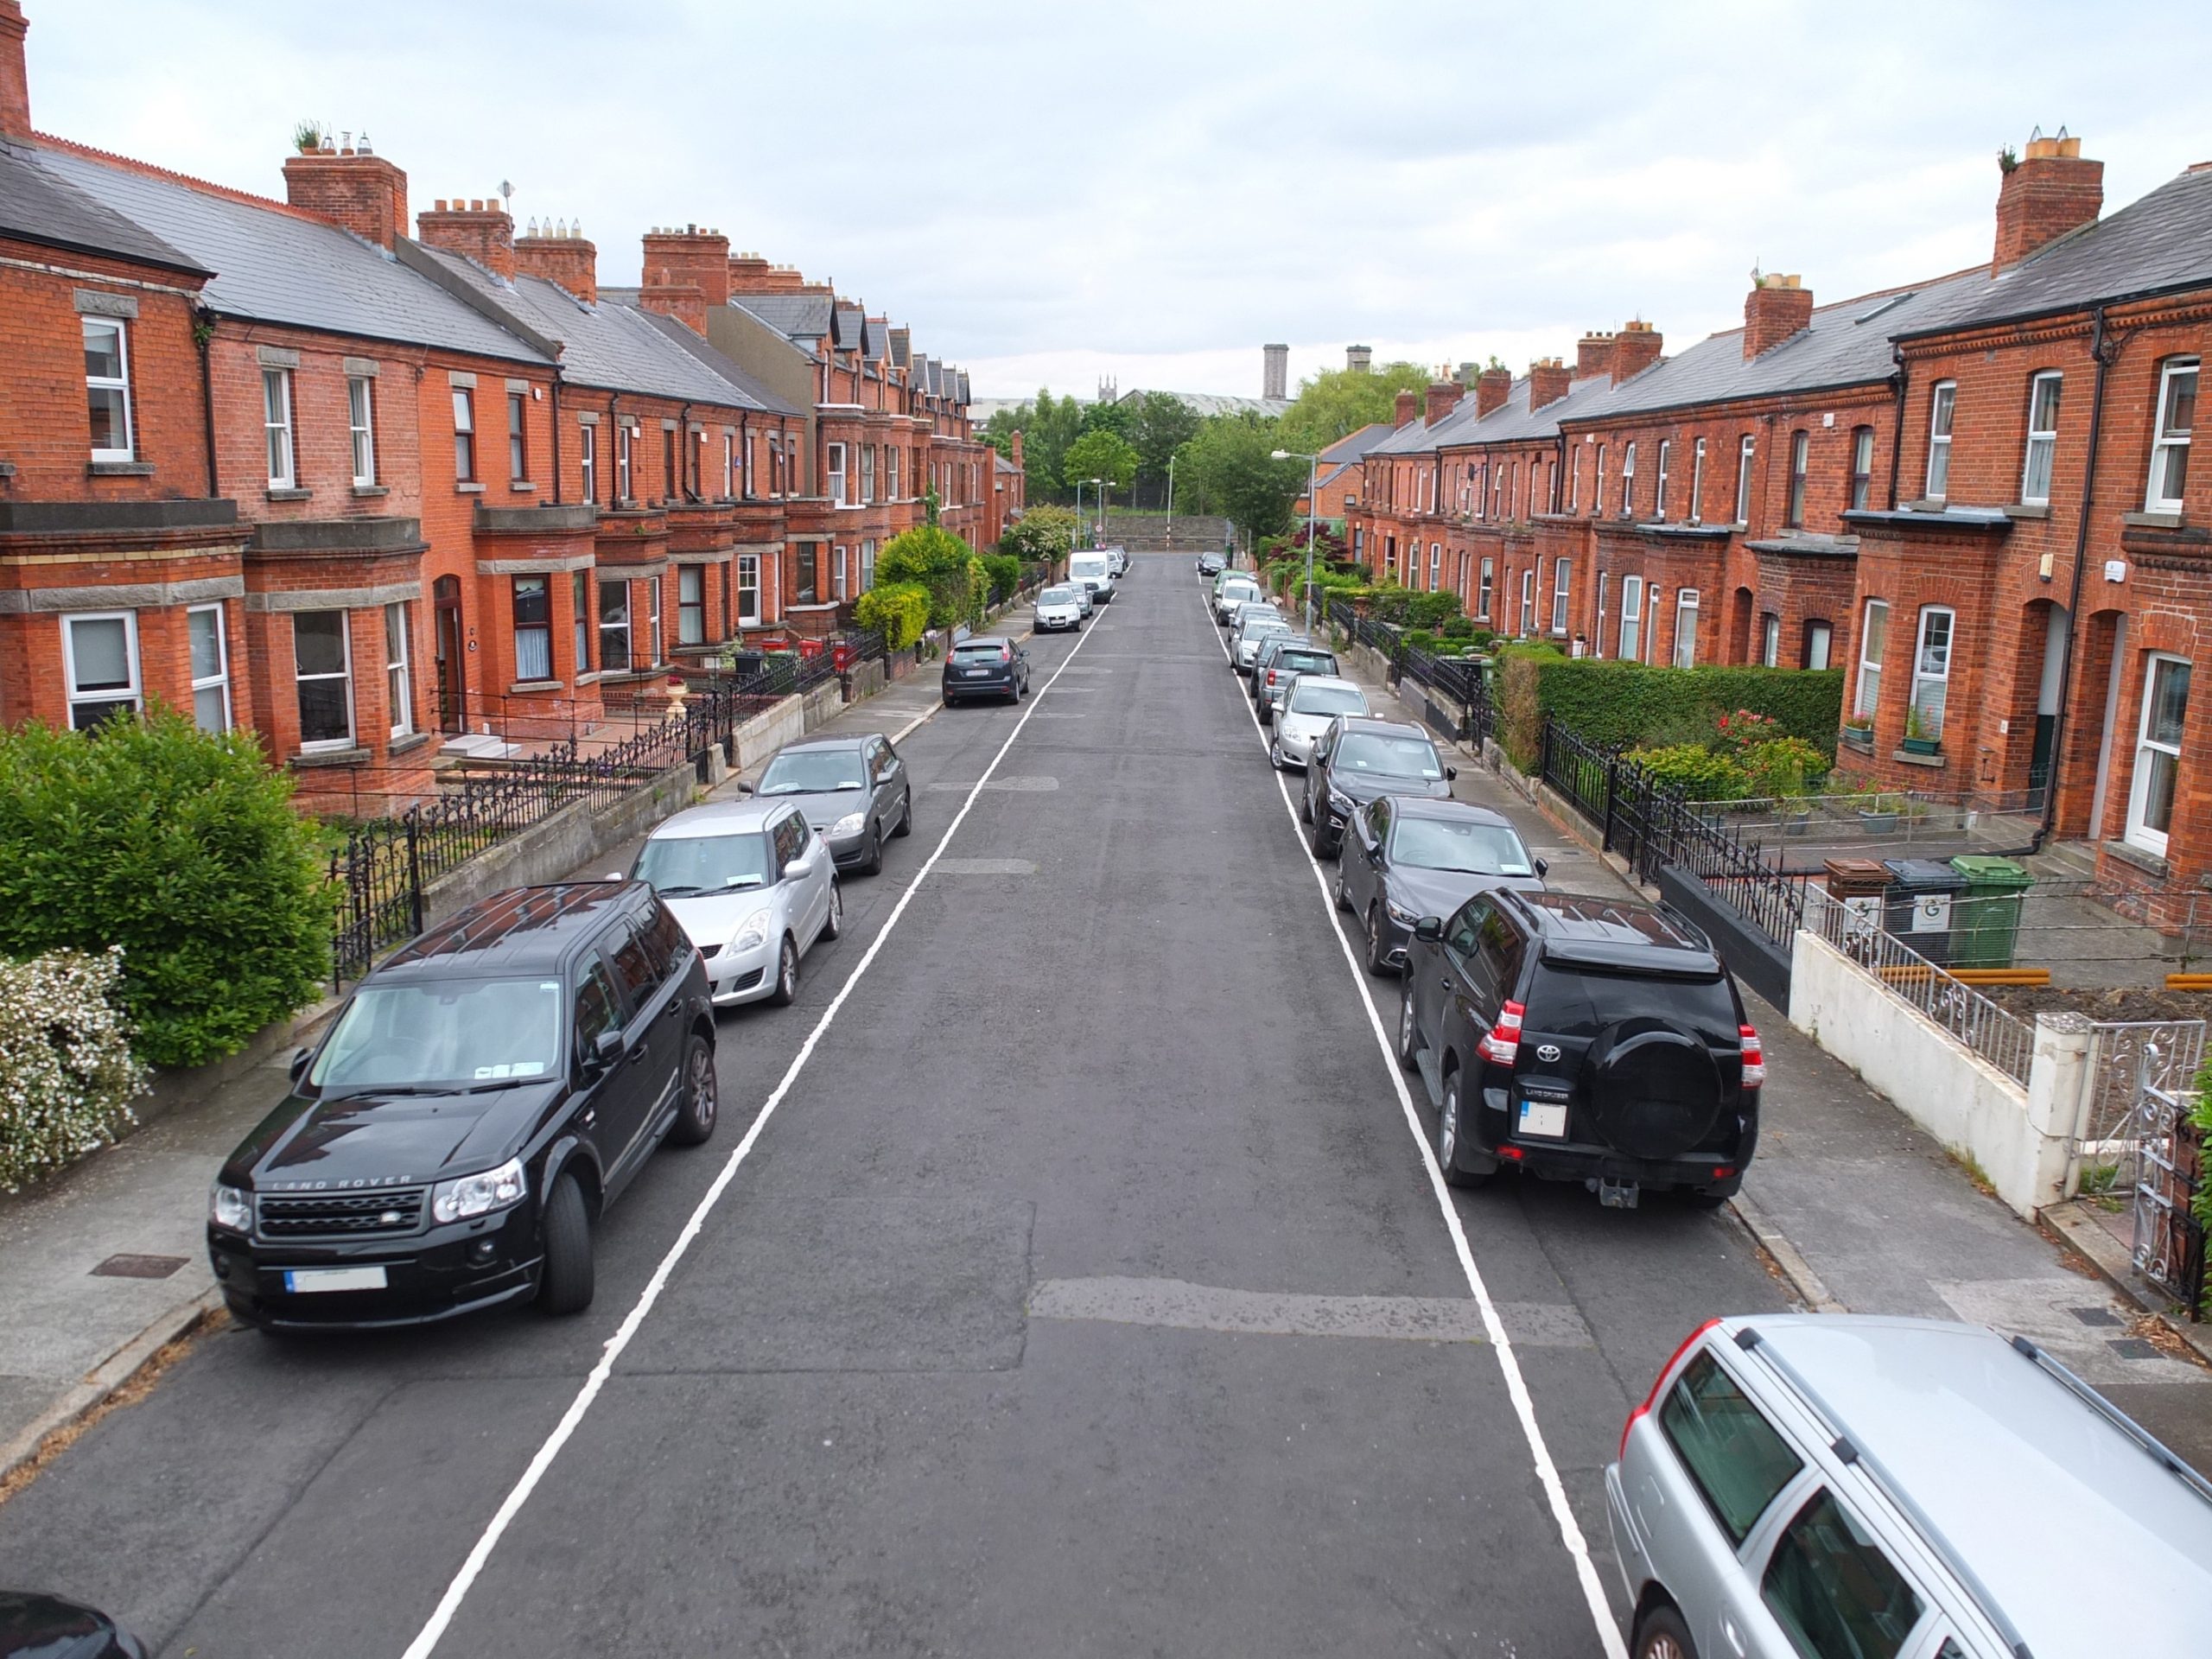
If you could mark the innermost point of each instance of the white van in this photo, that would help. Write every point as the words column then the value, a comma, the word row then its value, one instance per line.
column 1095, row 572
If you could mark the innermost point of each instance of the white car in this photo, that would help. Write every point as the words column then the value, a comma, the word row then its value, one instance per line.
column 1237, row 590
column 1059, row 608
column 1121, row 558
column 1095, row 572
column 754, row 889
column 1253, row 624
column 1312, row 703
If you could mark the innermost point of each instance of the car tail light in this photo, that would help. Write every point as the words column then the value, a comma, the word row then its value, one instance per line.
column 1502, row 1045
column 1660, row 1382
column 1754, row 1057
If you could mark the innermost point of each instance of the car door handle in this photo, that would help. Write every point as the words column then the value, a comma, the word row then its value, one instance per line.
column 673, row 1008
column 1735, row 1637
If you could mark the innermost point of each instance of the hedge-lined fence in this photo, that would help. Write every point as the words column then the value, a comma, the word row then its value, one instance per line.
column 1616, row 705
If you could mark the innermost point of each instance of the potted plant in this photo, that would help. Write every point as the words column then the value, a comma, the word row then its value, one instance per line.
column 308, row 135
column 1859, row 732
column 1918, row 737
column 1878, row 813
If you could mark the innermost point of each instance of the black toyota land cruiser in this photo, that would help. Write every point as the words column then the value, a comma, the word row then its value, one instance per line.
column 1581, row 1039
column 479, row 1099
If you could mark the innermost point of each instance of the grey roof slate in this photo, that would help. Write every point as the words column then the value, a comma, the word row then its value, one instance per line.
column 611, row 346
column 36, row 205
column 1354, row 444
column 801, row 316
column 848, row 328
column 961, row 397
column 274, row 265
column 734, row 372
column 902, row 347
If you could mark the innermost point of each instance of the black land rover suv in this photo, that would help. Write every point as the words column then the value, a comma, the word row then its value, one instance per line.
column 479, row 1099
column 1582, row 1038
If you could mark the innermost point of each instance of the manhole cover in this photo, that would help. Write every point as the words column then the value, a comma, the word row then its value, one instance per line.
column 2132, row 1348
column 2094, row 1315
column 139, row 1266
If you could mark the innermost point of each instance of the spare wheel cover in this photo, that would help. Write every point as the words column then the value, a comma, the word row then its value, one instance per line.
column 1652, row 1089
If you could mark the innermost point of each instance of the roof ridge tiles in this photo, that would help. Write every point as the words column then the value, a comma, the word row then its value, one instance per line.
column 229, row 193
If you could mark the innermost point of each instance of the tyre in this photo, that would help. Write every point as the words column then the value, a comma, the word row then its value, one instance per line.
column 1343, row 896
column 834, row 927
column 1325, row 848
column 1305, row 807
column 1447, row 1139
column 906, row 816
column 1408, row 1029
column 786, row 991
column 698, row 1102
column 1275, row 759
column 1660, row 1634
column 1378, row 954
column 872, row 864
column 564, row 1279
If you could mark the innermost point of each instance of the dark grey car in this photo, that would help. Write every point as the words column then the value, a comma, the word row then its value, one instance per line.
column 991, row 666
column 1406, row 857
column 1279, row 662
column 854, row 791
column 1358, row 759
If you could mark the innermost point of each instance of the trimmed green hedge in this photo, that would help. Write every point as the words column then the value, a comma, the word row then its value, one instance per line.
column 902, row 609
column 1617, row 703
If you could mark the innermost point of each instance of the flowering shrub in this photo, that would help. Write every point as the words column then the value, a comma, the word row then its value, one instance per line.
column 1747, row 729
column 67, row 1073
column 1700, row 773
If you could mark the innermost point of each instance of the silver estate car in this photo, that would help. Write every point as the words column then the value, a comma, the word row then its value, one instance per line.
column 1060, row 607
column 1312, row 703
column 1815, row 1485
column 753, row 887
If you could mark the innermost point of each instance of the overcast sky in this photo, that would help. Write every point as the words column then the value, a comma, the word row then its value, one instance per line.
column 1048, row 194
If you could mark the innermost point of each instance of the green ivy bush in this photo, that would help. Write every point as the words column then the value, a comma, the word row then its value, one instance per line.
column 943, row 564
column 67, row 1076
column 1005, row 573
column 902, row 609
column 1616, row 703
column 183, row 847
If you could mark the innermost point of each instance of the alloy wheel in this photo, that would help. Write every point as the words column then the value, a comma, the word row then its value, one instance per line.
column 1447, row 1130
column 700, row 1084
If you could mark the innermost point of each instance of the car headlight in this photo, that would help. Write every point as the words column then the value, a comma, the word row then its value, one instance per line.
column 479, row 1195
column 230, row 1209
column 1400, row 914
column 850, row 824
column 751, row 931
column 1338, row 801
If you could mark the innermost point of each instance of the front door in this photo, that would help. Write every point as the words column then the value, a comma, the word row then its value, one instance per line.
column 453, row 657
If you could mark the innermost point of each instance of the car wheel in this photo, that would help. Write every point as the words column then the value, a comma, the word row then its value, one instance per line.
column 565, row 1282
column 834, row 926
column 786, row 991
column 1660, row 1634
column 1447, row 1138
column 694, row 1116
column 1378, row 958
column 906, row 816
column 1343, row 895
column 872, row 864
column 1324, row 849
column 1275, row 759
column 1306, row 806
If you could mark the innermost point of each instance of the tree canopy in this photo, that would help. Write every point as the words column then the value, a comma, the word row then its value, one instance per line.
column 1339, row 402
column 1164, row 423
column 1101, row 453
column 1228, row 468
column 1042, row 534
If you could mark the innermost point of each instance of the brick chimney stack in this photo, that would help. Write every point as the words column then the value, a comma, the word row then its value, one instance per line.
column 1441, row 399
column 15, row 77
column 1549, row 380
column 1636, row 348
column 1359, row 358
column 1408, row 406
column 1493, row 388
column 691, row 257
column 685, row 301
column 479, row 231
column 1019, row 465
column 2049, row 192
column 354, row 189
column 1593, row 355
column 1776, row 309
column 562, row 257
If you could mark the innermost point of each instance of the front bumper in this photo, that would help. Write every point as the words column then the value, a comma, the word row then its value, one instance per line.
column 1393, row 935
column 845, row 851
column 738, row 976
column 462, row 1267
column 1053, row 624
column 1297, row 747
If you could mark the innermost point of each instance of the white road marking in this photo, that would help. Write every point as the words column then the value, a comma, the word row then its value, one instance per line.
column 1181, row 1306
column 1516, row 1386
column 427, row 1639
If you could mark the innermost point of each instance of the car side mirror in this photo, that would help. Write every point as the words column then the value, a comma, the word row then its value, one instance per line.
column 743, row 787
column 799, row 868
column 1451, row 772
column 616, row 875
column 299, row 1058
column 606, row 1049
column 1543, row 867
column 1430, row 928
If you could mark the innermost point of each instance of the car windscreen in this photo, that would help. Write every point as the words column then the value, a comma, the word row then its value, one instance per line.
column 1056, row 596
column 1399, row 757
column 1445, row 844
column 679, row 866
column 1572, row 1000
column 453, row 1033
column 1238, row 592
column 1089, row 567
column 811, row 771
column 1327, row 700
column 1305, row 662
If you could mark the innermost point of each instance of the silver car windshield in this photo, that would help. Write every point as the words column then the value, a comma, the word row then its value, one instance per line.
column 452, row 1033
column 1399, row 757
column 679, row 866
column 1327, row 700
column 1056, row 596
column 813, row 772
column 1475, row 849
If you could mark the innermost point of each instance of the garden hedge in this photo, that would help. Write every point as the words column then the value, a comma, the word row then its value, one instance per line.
column 1622, row 704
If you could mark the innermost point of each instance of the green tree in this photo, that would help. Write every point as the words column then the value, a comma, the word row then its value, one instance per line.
column 1339, row 402
column 1229, row 468
column 1054, row 424
column 1102, row 454
column 939, row 561
column 1042, row 535
column 1116, row 418
column 1163, row 424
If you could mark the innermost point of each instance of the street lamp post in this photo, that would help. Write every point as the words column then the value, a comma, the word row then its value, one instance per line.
column 1075, row 529
column 1170, row 504
column 1099, row 484
column 1312, row 490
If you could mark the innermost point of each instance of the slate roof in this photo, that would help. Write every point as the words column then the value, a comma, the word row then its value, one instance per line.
column 848, row 328
column 800, row 316
column 35, row 206
column 902, row 347
column 961, row 397
column 1001, row 464
column 1205, row 403
column 611, row 346
column 878, row 344
column 734, row 372
column 1355, row 444
column 274, row 265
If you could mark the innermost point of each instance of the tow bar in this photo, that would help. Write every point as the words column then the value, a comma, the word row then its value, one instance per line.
column 1612, row 1194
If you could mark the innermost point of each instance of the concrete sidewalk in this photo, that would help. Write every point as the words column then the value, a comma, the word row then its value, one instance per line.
column 1862, row 1212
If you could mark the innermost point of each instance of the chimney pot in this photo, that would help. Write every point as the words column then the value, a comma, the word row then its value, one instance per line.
column 2050, row 191
column 1778, row 308
column 484, row 234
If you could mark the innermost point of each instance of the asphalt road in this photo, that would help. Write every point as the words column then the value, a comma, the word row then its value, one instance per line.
column 1086, row 1290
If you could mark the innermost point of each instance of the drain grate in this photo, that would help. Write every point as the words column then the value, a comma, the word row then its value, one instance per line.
column 2094, row 1315
column 139, row 1266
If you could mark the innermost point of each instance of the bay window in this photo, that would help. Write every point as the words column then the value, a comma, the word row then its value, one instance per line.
column 533, row 604
column 398, row 696
column 100, row 658
column 580, row 617
column 1528, row 602
column 837, row 474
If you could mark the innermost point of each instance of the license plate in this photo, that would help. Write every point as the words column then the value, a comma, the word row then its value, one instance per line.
column 1543, row 1118
column 976, row 673
column 303, row 1282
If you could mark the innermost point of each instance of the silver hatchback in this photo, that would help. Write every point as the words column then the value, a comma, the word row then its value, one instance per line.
column 755, row 888
column 1804, row 1485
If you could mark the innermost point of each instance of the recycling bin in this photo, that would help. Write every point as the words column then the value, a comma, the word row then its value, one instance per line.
column 1917, row 908
column 1986, row 920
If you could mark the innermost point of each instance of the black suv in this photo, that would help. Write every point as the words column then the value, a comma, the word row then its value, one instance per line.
column 1581, row 1039
column 1358, row 759
column 478, row 1102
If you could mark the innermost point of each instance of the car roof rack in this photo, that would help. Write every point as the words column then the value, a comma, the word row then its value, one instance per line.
column 2112, row 1415
column 1849, row 1453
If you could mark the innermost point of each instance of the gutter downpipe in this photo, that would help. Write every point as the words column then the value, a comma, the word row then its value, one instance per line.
column 203, row 335
column 557, row 435
column 2099, row 348
column 1896, row 428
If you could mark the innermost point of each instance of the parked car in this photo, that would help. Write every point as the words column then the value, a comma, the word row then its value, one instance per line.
column 1582, row 1038
column 1060, row 607
column 1120, row 556
column 1083, row 597
column 1237, row 590
column 748, row 881
column 1253, row 623
column 474, row 1106
column 1405, row 857
column 1306, row 712
column 985, row 666
column 1280, row 660
column 1095, row 572
column 1210, row 564
column 1354, row 758
column 33, row 1627
column 854, row 791
column 1836, row 1484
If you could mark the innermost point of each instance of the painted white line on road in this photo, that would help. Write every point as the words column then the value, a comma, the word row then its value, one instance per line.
column 1516, row 1386
column 425, row 1641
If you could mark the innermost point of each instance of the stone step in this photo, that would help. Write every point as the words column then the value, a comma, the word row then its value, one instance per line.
column 480, row 745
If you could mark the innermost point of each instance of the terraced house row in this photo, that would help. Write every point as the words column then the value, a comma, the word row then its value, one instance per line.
column 371, row 495
column 1971, row 493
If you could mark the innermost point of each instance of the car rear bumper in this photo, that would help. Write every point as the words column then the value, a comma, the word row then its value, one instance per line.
column 1581, row 1161
column 996, row 686
column 450, row 1271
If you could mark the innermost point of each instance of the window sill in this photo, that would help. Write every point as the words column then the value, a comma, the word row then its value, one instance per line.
column 275, row 493
column 307, row 759
column 2028, row 510
column 2151, row 521
column 522, row 687
column 1926, row 503
column 372, row 489
column 2141, row 857
column 468, row 489
column 521, row 487
column 406, row 742
column 119, row 469
column 1862, row 742
column 1907, row 758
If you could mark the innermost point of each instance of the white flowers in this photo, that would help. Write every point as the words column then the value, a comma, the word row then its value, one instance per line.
column 67, row 1072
